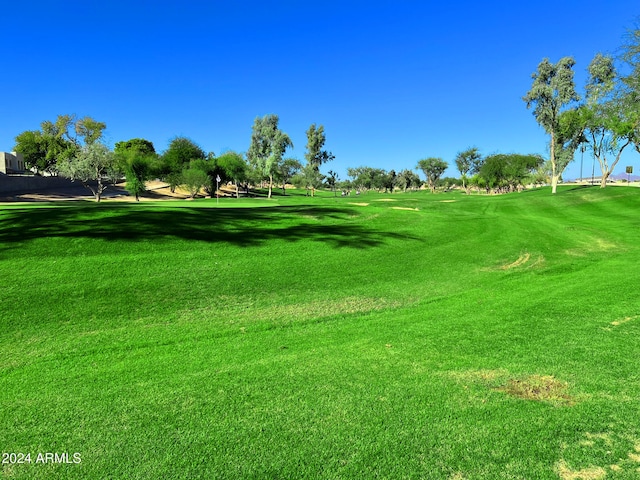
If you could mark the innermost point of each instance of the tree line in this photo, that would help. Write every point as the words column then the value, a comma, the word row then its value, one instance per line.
column 74, row 148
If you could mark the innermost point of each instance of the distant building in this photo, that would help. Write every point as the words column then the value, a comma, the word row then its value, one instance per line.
column 11, row 162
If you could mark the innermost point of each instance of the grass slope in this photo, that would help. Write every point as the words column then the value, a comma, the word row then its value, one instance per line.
column 391, row 336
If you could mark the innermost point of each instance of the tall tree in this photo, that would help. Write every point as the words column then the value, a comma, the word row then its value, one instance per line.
column 92, row 163
column 468, row 162
column 608, row 121
column 315, row 155
column 316, row 139
column 433, row 169
column 630, row 95
column 268, row 144
column 553, row 89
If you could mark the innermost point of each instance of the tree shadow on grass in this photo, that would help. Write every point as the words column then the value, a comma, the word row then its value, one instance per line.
column 245, row 227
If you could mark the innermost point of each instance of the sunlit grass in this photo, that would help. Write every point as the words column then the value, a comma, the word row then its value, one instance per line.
column 406, row 335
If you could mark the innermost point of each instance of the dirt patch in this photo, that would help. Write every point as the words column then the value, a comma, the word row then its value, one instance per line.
column 405, row 208
column 359, row 204
column 448, row 201
column 540, row 388
column 155, row 191
column 386, row 200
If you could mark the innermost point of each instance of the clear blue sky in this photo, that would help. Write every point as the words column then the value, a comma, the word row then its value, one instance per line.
column 391, row 81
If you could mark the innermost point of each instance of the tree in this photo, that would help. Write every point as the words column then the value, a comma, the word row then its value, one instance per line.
column 315, row 155
column 234, row 168
column 507, row 172
column 631, row 57
column 137, row 158
column 90, row 130
column 310, row 178
column 268, row 144
column 140, row 145
column 389, row 181
column 367, row 178
column 286, row 170
column 136, row 174
column 468, row 162
column 34, row 148
column 407, row 179
column 553, row 89
column 92, row 163
column 194, row 179
column 433, row 169
column 177, row 156
column 42, row 149
column 331, row 179
column 609, row 122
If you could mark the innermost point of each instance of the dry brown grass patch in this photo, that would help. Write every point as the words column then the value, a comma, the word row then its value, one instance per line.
column 405, row 208
column 590, row 473
column 359, row 204
column 541, row 388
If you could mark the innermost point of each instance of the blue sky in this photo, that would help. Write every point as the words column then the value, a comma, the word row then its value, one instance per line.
column 391, row 81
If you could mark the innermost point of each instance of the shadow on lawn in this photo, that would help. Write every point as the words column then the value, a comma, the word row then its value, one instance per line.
column 244, row 227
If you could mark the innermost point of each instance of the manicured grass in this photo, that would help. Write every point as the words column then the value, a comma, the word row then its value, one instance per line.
column 388, row 336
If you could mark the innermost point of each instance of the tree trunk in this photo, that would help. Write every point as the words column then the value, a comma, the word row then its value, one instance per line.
column 270, row 185
column 603, row 180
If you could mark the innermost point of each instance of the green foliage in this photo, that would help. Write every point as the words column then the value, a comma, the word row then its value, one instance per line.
column 433, row 168
column 233, row 166
column 180, row 152
column 42, row 149
column 552, row 91
column 507, row 172
column 268, row 145
column 468, row 162
column 137, row 172
column 94, row 162
column 286, row 170
column 316, row 139
column 90, row 130
column 140, row 145
column 609, row 121
column 408, row 179
column 367, row 178
column 34, row 148
column 195, row 179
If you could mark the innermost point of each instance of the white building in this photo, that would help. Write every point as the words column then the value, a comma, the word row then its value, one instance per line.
column 11, row 162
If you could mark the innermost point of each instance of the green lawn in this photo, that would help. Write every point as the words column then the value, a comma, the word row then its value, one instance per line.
column 379, row 336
